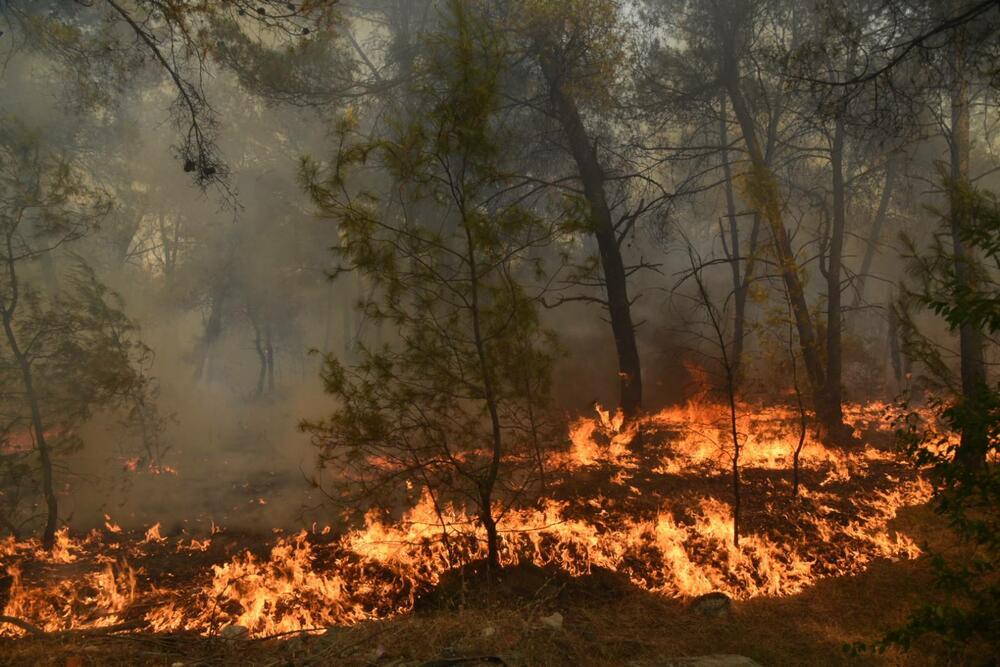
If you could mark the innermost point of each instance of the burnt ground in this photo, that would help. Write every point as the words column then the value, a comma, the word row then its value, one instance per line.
column 605, row 619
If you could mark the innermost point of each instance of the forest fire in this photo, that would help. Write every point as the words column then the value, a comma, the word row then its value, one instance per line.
column 679, row 546
column 520, row 332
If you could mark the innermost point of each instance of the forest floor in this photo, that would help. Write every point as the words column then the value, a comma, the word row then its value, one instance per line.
column 604, row 622
column 841, row 560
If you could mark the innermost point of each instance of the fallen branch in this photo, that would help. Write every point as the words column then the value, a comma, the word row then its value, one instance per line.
column 446, row 662
column 24, row 625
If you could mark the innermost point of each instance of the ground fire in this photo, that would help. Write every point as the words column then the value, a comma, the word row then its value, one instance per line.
column 664, row 522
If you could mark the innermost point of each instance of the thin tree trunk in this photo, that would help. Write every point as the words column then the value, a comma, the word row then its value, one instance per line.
column 894, row 348
column 803, row 418
column 715, row 319
column 487, row 483
column 880, row 217
column 24, row 365
column 592, row 177
column 763, row 193
column 829, row 409
column 9, row 526
column 739, row 282
column 213, row 329
column 261, row 358
column 731, row 394
column 536, row 441
column 269, row 352
column 44, row 453
column 973, row 446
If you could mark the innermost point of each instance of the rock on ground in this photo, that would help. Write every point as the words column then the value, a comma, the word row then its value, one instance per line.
column 719, row 660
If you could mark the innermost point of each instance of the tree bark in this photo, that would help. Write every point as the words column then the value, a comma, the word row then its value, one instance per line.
column 487, row 482
column 261, row 358
column 739, row 282
column 593, row 179
column 269, row 354
column 24, row 365
column 895, row 359
column 973, row 446
column 829, row 406
column 762, row 191
column 880, row 217
column 213, row 330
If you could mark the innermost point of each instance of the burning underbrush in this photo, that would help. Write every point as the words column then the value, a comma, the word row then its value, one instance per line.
column 659, row 517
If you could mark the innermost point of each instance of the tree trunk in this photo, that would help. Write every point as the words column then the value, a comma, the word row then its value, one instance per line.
column 592, row 177
column 895, row 358
column 762, row 192
column 739, row 282
column 261, row 358
column 734, row 433
column 492, row 537
column 487, row 482
column 7, row 311
column 829, row 408
column 880, row 216
column 38, row 428
column 269, row 353
column 213, row 329
column 973, row 446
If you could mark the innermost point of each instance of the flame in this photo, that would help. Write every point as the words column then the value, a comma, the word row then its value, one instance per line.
column 96, row 601
column 195, row 545
column 110, row 525
column 62, row 549
column 153, row 534
column 681, row 545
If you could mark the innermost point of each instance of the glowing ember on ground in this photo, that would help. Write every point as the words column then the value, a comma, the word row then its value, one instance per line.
column 662, row 518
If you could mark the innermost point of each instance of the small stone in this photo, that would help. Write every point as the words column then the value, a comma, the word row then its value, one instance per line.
column 489, row 631
column 718, row 660
column 712, row 604
column 512, row 659
column 554, row 621
column 234, row 631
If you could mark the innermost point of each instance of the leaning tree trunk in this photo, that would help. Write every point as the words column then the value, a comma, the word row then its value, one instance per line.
column 762, row 192
column 973, row 446
column 593, row 179
column 741, row 278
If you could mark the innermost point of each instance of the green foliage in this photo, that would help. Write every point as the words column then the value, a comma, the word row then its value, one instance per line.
column 453, row 403
column 85, row 353
column 67, row 349
column 967, row 496
column 586, row 38
column 976, row 302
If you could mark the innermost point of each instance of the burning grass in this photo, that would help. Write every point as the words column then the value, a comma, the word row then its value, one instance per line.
column 659, row 520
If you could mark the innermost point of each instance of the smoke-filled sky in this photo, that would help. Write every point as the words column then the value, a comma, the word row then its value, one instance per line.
column 192, row 130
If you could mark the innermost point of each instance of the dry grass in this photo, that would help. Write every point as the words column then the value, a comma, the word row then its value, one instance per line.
column 603, row 625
